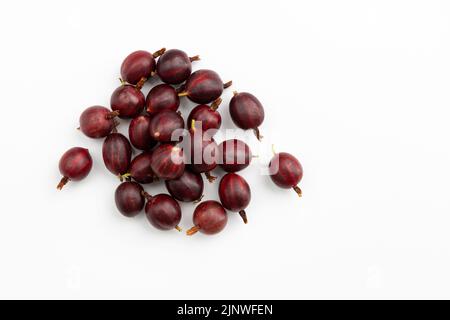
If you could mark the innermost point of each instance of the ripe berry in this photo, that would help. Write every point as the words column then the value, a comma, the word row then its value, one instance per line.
column 286, row 171
column 139, row 133
column 167, row 161
column 117, row 153
column 204, row 86
column 140, row 168
column 174, row 66
column 162, row 97
column 205, row 117
column 203, row 154
column 247, row 112
column 188, row 187
column 97, row 121
column 138, row 66
column 209, row 218
column 128, row 101
column 235, row 194
column 75, row 164
column 234, row 155
column 163, row 211
column 129, row 198
column 163, row 124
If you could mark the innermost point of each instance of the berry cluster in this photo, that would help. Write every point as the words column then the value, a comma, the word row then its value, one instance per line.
column 153, row 129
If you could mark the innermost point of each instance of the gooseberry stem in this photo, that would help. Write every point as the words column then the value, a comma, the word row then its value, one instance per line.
column 194, row 58
column 210, row 177
column 62, row 183
column 243, row 216
column 227, row 84
column 257, row 134
column 178, row 228
column 193, row 230
column 216, row 103
column 146, row 195
column 298, row 190
column 156, row 54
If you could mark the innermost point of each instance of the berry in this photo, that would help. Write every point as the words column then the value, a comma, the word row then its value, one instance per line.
column 205, row 117
column 139, row 66
column 163, row 125
column 247, row 112
column 139, row 133
column 174, row 66
column 140, row 168
column 209, row 218
column 97, row 121
column 235, row 194
column 204, row 86
column 162, row 97
column 117, row 153
column 234, row 155
column 128, row 101
column 167, row 161
column 188, row 187
column 129, row 198
column 286, row 171
column 75, row 164
column 163, row 211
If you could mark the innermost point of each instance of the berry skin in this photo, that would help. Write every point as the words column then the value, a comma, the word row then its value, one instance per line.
column 162, row 97
column 205, row 117
column 167, row 161
column 139, row 133
column 75, row 164
column 140, row 168
column 128, row 101
column 174, row 66
column 129, row 199
column 234, row 155
column 163, row 211
column 204, row 86
column 286, row 171
column 235, row 194
column 247, row 112
column 97, row 121
column 163, row 125
column 139, row 66
column 209, row 218
column 187, row 188
column 116, row 153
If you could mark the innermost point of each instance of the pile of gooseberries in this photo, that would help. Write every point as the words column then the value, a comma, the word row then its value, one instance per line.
column 154, row 121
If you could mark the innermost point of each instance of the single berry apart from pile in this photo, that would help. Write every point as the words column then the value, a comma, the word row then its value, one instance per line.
column 75, row 164
column 117, row 153
column 247, row 112
column 204, row 86
column 209, row 218
column 163, row 125
column 187, row 188
column 140, row 168
column 163, row 211
column 235, row 194
column 162, row 97
column 129, row 198
column 97, row 121
column 139, row 66
column 128, row 101
column 174, row 66
column 234, row 155
column 167, row 161
column 286, row 171
column 139, row 133
column 205, row 117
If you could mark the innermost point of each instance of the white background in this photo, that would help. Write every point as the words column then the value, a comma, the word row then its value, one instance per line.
column 357, row 90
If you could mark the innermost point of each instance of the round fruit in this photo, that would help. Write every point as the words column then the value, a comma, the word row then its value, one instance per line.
column 204, row 86
column 138, row 66
column 286, row 171
column 140, row 168
column 139, row 133
column 209, row 218
column 117, row 153
column 75, row 164
column 129, row 198
column 203, row 154
column 174, row 66
column 167, row 161
column 235, row 194
column 163, row 125
column 97, row 121
column 162, row 97
column 128, row 101
column 234, row 155
column 163, row 211
column 247, row 112
column 188, row 187
column 205, row 117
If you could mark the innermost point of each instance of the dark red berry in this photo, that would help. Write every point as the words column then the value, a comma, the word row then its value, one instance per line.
column 117, row 153
column 204, row 86
column 163, row 124
column 75, row 164
column 129, row 198
column 235, row 194
column 140, row 168
column 138, row 66
column 174, row 66
column 97, row 121
column 247, row 112
column 209, row 218
column 162, row 97
column 167, row 161
column 139, row 133
column 163, row 211
column 188, row 187
column 203, row 154
column 234, row 155
column 128, row 101
column 205, row 117
column 286, row 171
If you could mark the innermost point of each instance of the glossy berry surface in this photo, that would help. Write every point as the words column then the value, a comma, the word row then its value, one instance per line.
column 234, row 155
column 97, row 121
column 163, row 212
column 128, row 101
column 203, row 86
column 205, row 117
column 187, row 188
column 139, row 133
column 235, row 194
column 247, row 112
column 209, row 218
column 174, row 66
column 286, row 171
column 140, row 168
column 75, row 164
column 162, row 97
column 203, row 154
column 137, row 66
column 117, row 153
column 163, row 124
column 129, row 199
column 167, row 161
